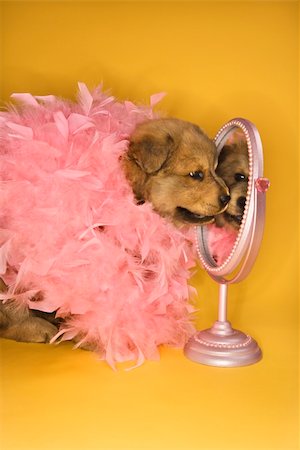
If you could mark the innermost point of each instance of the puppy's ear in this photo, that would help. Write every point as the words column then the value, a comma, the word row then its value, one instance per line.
column 226, row 150
column 150, row 152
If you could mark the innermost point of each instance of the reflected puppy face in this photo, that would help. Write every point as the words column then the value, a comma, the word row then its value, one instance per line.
column 233, row 168
column 171, row 163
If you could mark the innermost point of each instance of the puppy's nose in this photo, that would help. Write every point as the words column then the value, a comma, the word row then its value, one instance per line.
column 241, row 201
column 224, row 199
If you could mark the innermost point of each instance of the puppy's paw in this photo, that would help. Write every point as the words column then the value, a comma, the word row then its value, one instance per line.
column 32, row 329
column 3, row 319
column 88, row 346
column 40, row 330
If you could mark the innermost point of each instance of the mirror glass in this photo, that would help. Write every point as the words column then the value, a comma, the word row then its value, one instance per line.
column 233, row 168
column 233, row 241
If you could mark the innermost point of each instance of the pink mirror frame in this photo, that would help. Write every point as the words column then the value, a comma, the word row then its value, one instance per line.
column 250, row 232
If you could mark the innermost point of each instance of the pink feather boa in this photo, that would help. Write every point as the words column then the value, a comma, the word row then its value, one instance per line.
column 71, row 230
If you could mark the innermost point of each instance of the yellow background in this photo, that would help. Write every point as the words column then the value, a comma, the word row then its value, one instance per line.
column 216, row 60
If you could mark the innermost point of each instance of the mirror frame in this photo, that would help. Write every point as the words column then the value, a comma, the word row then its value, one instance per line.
column 248, row 240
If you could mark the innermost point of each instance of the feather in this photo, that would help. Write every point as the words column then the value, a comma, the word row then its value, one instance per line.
column 72, row 174
column 22, row 132
column 25, row 98
column 78, row 122
column 61, row 123
column 156, row 98
column 4, row 249
column 47, row 99
column 85, row 98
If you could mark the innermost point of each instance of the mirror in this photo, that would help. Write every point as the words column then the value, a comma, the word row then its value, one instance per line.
column 228, row 248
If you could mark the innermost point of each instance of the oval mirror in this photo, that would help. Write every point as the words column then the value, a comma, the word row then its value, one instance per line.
column 228, row 248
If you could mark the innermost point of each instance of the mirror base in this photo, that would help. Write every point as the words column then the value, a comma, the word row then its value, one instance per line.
column 222, row 346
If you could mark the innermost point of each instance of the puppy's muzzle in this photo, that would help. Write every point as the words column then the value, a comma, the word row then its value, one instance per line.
column 237, row 218
column 191, row 217
column 224, row 200
column 241, row 201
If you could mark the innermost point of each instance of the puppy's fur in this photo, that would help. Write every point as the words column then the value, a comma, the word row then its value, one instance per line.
column 169, row 163
column 22, row 324
column 233, row 168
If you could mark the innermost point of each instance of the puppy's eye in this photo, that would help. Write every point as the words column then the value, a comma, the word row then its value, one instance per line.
column 240, row 177
column 198, row 175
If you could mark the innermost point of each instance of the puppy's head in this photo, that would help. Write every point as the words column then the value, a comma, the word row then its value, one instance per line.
column 171, row 163
column 233, row 168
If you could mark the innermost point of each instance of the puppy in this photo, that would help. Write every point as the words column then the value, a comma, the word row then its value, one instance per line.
column 169, row 163
column 233, row 168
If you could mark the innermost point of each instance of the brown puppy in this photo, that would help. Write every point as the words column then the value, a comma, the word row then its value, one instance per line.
column 171, row 163
column 233, row 168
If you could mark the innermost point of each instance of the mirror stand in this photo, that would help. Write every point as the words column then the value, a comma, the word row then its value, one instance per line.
column 221, row 345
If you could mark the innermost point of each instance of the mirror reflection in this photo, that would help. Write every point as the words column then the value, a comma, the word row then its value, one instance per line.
column 233, row 168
